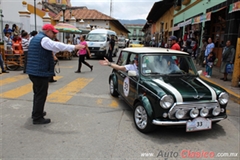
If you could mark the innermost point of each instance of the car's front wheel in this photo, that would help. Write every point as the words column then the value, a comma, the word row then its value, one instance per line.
column 112, row 88
column 141, row 119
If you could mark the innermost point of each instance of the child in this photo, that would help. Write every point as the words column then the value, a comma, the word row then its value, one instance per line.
column 209, row 62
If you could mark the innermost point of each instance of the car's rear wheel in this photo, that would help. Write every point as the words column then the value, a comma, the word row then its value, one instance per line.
column 141, row 119
column 112, row 88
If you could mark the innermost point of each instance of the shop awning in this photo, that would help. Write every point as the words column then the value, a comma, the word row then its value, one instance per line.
column 234, row 7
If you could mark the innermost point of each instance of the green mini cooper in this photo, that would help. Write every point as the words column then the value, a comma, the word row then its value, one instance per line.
column 166, row 90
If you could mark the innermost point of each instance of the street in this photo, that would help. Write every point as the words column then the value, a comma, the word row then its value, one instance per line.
column 88, row 123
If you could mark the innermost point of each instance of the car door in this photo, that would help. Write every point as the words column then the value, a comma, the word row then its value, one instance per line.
column 121, row 75
column 131, row 82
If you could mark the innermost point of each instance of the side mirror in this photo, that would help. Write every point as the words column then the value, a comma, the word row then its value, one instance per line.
column 132, row 73
column 199, row 72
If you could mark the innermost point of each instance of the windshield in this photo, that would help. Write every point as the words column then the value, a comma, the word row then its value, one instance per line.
column 168, row 65
column 135, row 42
column 96, row 37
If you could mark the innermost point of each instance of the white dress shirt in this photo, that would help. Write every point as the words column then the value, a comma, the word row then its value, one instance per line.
column 55, row 46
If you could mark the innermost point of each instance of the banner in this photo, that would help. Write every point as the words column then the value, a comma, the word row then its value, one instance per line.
column 234, row 7
column 202, row 18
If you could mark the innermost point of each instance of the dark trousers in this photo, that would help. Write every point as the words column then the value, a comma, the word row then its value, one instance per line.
column 1, row 63
column 81, row 60
column 110, row 55
column 40, row 91
column 25, row 61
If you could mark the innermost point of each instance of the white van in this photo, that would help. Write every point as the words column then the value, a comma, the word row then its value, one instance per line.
column 98, row 42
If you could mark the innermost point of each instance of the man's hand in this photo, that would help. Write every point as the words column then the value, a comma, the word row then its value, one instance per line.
column 79, row 46
column 104, row 62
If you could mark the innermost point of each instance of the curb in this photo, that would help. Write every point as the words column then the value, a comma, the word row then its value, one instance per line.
column 233, row 96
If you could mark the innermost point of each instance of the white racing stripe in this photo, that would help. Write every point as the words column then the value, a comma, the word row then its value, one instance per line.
column 213, row 93
column 175, row 92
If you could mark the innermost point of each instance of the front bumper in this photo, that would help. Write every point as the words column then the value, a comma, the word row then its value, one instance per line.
column 182, row 122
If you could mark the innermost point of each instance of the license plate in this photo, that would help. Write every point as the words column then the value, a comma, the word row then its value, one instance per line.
column 198, row 124
column 92, row 54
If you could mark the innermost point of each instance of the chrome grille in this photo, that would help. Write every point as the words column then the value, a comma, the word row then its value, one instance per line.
column 188, row 106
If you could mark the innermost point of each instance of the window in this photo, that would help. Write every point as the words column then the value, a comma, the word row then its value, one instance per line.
column 171, row 23
column 123, row 59
column 165, row 25
column 59, row 1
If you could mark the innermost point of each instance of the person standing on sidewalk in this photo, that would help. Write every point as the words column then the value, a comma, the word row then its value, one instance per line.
column 209, row 49
column 209, row 65
column 174, row 44
column 25, row 44
column 228, row 56
column 82, row 54
column 40, row 66
column 111, row 48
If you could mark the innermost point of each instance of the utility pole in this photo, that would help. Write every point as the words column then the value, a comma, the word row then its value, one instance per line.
column 110, row 8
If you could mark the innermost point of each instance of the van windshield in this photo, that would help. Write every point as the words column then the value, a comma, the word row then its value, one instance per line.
column 96, row 37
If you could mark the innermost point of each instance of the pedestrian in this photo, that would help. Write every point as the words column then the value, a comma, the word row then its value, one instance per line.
column 228, row 56
column 25, row 44
column 209, row 48
column 33, row 34
column 180, row 42
column 200, row 57
column 173, row 43
column 51, row 79
column 40, row 66
column 183, row 63
column 82, row 54
column 2, row 65
column 209, row 64
column 111, row 48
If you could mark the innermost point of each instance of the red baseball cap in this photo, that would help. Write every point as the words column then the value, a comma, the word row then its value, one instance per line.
column 49, row 27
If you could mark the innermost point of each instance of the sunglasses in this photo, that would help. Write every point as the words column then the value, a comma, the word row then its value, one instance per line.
column 136, row 59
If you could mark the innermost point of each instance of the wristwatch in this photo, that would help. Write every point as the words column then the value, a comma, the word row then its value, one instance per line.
column 109, row 64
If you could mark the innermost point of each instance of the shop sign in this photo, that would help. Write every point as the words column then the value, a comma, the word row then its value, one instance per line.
column 185, row 23
column 202, row 18
column 234, row 7
column 175, row 28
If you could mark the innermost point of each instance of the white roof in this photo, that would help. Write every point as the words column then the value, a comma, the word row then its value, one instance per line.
column 152, row 50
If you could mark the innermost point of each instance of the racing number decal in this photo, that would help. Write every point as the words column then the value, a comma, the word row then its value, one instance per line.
column 126, row 86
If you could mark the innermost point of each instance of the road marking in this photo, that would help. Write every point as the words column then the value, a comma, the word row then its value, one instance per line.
column 20, row 91
column 17, row 92
column 12, row 79
column 66, row 93
column 113, row 104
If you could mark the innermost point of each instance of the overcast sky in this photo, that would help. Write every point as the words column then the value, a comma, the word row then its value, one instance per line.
column 121, row 9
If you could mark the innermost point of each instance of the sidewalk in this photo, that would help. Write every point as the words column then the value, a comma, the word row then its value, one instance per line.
column 234, row 92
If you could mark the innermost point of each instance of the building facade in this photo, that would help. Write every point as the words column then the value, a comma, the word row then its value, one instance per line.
column 136, row 32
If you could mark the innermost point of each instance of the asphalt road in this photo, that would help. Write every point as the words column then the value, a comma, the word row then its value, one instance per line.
column 87, row 123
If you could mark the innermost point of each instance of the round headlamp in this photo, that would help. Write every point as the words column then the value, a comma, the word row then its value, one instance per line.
column 204, row 112
column 179, row 114
column 223, row 98
column 166, row 101
column 216, row 111
column 194, row 113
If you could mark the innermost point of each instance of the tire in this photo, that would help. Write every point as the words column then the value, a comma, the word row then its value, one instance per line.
column 112, row 88
column 141, row 119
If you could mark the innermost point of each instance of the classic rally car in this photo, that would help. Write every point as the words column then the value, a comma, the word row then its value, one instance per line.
column 166, row 90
